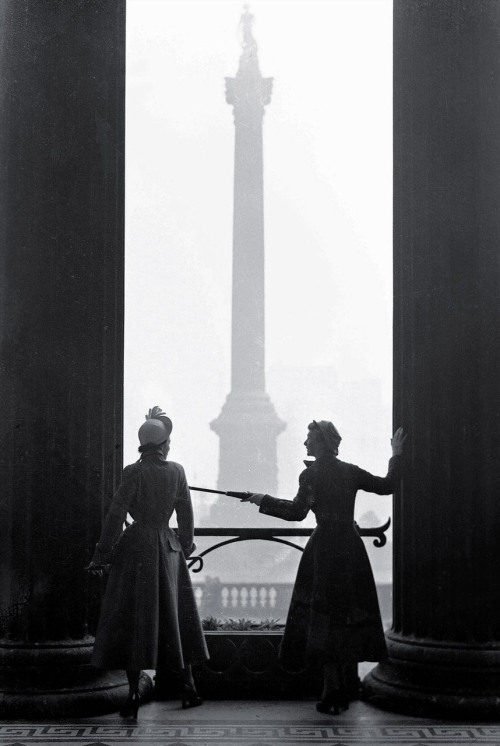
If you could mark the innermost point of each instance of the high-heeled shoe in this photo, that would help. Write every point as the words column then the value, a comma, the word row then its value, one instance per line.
column 190, row 697
column 343, row 698
column 328, row 703
column 130, row 707
column 337, row 699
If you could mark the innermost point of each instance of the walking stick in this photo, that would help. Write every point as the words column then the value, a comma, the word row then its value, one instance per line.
column 239, row 495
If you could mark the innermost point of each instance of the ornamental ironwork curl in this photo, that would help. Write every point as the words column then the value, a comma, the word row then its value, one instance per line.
column 196, row 562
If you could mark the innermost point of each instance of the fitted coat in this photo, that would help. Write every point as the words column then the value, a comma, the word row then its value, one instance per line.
column 334, row 612
column 149, row 618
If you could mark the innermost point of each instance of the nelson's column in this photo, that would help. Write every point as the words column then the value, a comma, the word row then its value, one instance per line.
column 248, row 425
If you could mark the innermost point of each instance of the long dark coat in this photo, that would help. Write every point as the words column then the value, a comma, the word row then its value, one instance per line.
column 149, row 617
column 334, row 613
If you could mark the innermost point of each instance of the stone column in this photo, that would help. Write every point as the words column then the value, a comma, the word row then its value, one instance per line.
column 248, row 425
column 61, row 342
column 444, row 646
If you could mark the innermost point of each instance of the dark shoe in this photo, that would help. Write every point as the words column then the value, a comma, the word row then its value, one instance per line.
column 344, row 698
column 190, row 698
column 333, row 702
column 130, row 707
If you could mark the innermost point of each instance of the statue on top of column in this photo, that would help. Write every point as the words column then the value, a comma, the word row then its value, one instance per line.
column 249, row 56
column 246, row 23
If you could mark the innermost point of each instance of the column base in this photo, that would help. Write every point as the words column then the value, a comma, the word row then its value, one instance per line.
column 57, row 680
column 430, row 678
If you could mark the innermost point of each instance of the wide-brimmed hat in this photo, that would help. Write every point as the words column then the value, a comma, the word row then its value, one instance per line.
column 156, row 429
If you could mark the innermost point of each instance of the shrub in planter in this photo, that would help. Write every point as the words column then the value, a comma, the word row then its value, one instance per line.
column 212, row 624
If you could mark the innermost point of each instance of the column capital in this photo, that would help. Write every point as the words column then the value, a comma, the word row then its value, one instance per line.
column 249, row 94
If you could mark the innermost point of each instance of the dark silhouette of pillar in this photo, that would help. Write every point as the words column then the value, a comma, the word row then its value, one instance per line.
column 248, row 425
column 444, row 647
column 61, row 342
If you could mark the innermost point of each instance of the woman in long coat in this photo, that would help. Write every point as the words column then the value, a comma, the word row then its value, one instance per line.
column 334, row 617
column 149, row 618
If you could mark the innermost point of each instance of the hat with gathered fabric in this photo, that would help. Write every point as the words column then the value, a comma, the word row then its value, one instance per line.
column 156, row 429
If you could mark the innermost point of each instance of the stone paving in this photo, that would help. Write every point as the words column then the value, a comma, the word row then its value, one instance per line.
column 250, row 723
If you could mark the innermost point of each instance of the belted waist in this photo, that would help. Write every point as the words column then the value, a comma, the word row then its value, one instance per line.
column 333, row 520
column 155, row 526
column 165, row 531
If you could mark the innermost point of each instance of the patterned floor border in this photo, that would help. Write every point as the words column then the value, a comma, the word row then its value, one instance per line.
column 248, row 734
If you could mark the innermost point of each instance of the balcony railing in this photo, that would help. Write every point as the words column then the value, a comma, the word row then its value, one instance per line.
column 246, row 665
column 261, row 598
column 237, row 535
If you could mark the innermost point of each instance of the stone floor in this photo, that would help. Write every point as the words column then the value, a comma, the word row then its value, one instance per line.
column 250, row 723
column 238, row 723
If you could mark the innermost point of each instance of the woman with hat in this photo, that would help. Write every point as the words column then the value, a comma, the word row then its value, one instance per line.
column 149, row 618
column 334, row 618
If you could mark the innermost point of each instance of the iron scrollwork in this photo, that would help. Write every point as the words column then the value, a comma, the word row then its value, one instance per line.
column 196, row 562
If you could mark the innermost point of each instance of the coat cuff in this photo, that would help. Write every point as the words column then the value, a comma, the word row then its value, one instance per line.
column 101, row 556
column 190, row 551
column 265, row 507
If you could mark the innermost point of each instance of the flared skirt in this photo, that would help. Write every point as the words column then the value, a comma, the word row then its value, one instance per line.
column 149, row 618
column 334, row 612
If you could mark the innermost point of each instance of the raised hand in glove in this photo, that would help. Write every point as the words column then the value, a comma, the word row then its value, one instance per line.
column 397, row 442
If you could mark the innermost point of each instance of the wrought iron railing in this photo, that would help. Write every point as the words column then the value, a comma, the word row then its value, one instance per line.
column 240, row 666
column 246, row 665
column 277, row 535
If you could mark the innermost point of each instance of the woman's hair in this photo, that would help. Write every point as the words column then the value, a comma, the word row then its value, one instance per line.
column 151, row 447
column 329, row 434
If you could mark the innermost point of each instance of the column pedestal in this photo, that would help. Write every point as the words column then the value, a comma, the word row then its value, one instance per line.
column 248, row 427
column 56, row 680
column 437, row 679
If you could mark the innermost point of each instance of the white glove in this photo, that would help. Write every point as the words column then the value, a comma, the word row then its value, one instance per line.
column 253, row 497
column 397, row 442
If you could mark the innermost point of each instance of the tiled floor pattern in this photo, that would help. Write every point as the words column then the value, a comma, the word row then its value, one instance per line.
column 250, row 724
column 241, row 734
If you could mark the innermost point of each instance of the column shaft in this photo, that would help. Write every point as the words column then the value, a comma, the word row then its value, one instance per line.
column 445, row 643
column 248, row 309
column 248, row 424
column 61, row 339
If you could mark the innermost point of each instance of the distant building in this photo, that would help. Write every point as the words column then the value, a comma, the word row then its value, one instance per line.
column 248, row 425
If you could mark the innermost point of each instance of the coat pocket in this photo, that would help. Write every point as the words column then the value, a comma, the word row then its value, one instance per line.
column 174, row 542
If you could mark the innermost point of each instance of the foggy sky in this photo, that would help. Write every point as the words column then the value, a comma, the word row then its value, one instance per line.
column 328, row 225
